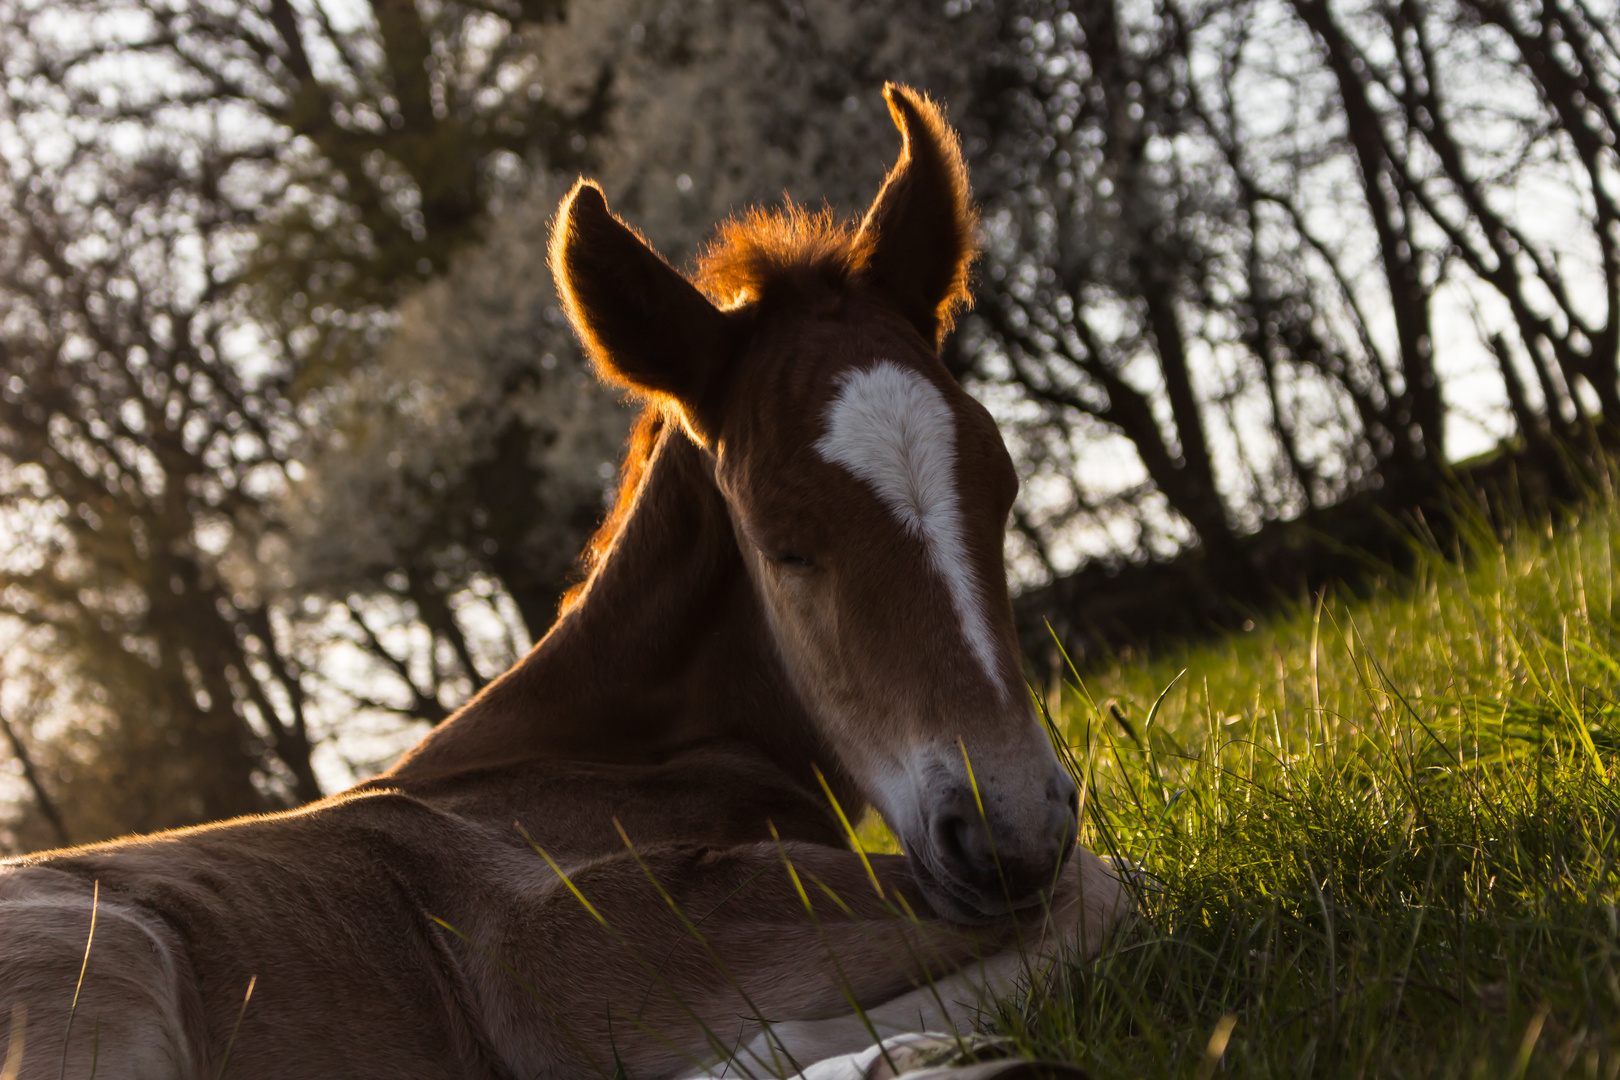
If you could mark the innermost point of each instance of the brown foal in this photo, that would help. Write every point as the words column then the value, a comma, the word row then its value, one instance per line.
column 626, row 855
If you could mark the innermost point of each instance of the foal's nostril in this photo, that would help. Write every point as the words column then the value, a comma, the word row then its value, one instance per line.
column 946, row 841
column 965, row 847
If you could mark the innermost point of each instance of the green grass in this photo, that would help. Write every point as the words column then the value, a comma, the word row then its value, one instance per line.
column 1378, row 836
column 1381, row 833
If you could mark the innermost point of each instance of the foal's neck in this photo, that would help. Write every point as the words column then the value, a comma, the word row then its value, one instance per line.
column 666, row 648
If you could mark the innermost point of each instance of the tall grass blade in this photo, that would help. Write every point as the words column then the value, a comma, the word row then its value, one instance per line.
column 15, row 1045
column 241, row 1014
column 73, row 1010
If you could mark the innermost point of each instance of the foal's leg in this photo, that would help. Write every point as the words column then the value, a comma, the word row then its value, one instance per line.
column 767, row 939
column 1086, row 905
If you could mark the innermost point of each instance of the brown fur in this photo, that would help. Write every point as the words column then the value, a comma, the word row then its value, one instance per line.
column 765, row 251
column 768, row 251
column 662, row 750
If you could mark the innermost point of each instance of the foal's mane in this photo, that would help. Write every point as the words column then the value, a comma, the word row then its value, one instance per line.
column 632, row 471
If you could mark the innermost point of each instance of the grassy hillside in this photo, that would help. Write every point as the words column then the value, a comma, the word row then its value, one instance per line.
column 1380, row 834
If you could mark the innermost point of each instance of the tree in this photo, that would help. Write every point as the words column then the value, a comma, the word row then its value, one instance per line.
column 141, row 450
column 379, row 131
column 209, row 212
column 1483, row 94
column 1222, row 233
column 467, row 460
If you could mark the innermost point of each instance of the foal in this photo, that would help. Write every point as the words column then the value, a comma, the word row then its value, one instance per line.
column 629, row 854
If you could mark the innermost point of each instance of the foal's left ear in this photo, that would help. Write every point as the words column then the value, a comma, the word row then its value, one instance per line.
column 919, row 231
column 645, row 326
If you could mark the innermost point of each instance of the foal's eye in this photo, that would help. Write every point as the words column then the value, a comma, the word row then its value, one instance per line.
column 793, row 562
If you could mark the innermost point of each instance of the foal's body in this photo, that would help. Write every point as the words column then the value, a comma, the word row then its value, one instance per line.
column 334, row 917
column 676, row 726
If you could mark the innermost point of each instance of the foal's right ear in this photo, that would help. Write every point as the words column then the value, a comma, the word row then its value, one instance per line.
column 645, row 326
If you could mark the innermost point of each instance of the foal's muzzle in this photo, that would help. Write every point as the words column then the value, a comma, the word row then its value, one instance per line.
column 981, row 863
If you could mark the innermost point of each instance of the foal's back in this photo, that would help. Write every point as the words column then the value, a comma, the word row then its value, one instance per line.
column 351, row 915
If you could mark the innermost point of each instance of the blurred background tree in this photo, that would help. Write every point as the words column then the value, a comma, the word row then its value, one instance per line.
column 1261, row 272
column 298, row 451
column 1226, row 232
column 210, row 214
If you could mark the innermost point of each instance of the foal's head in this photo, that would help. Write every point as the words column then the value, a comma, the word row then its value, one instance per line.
column 867, row 491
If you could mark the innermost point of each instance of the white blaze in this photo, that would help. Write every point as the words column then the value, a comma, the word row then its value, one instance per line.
column 893, row 429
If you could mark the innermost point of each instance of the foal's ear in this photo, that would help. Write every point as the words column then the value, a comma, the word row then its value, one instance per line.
column 645, row 326
column 919, row 231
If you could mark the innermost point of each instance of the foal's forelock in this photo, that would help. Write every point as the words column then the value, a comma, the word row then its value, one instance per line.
column 894, row 430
